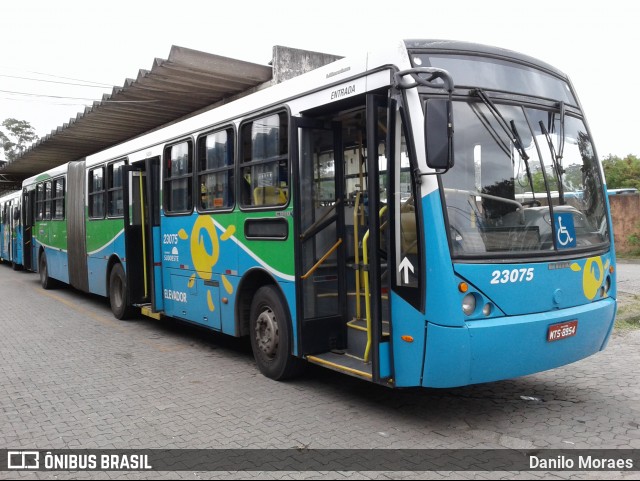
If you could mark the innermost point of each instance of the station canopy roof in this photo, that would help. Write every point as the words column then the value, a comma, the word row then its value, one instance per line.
column 186, row 82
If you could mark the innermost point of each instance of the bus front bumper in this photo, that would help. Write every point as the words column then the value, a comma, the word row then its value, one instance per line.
column 508, row 347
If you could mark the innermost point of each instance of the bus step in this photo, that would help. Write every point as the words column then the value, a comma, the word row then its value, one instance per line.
column 361, row 325
column 145, row 310
column 343, row 363
column 357, row 336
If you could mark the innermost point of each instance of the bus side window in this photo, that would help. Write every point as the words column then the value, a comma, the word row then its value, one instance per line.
column 215, row 170
column 265, row 162
column 40, row 202
column 408, row 279
column 178, row 183
column 96, row 193
column 58, row 199
column 47, row 200
column 115, row 195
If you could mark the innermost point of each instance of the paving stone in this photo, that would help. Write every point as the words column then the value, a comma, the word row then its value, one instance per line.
column 71, row 376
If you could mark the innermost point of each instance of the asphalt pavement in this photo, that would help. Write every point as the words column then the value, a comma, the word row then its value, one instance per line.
column 629, row 276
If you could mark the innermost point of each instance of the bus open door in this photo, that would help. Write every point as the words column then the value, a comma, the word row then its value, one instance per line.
column 141, row 217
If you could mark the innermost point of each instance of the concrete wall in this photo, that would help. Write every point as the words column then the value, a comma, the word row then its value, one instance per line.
column 625, row 214
column 290, row 62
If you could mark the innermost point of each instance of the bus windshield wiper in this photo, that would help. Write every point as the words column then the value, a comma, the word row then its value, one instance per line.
column 551, row 128
column 556, row 159
column 512, row 133
column 497, row 138
column 561, row 146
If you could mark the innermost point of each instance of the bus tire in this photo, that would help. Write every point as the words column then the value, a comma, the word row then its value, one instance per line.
column 118, row 293
column 43, row 269
column 270, row 333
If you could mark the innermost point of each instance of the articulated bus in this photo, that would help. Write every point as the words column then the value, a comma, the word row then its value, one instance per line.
column 431, row 214
column 11, row 241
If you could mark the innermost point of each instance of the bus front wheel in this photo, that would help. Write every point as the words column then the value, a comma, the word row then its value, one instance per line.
column 118, row 297
column 270, row 332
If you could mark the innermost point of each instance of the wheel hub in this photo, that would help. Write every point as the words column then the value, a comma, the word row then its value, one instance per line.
column 267, row 335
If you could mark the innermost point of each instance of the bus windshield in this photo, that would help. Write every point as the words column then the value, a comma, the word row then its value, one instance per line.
column 499, row 75
column 525, row 180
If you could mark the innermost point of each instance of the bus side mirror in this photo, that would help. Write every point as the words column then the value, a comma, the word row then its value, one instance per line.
column 438, row 133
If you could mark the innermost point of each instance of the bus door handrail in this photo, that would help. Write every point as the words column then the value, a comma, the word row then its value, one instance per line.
column 316, row 226
column 322, row 259
column 367, row 294
column 356, row 252
column 144, row 242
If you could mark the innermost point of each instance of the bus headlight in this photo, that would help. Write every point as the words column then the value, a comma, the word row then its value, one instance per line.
column 469, row 304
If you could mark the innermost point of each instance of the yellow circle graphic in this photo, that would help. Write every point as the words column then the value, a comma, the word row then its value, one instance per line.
column 592, row 277
column 203, row 260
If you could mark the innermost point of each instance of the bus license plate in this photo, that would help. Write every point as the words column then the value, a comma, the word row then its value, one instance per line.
column 563, row 330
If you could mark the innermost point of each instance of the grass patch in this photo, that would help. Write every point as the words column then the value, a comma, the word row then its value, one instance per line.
column 628, row 256
column 628, row 324
column 628, row 316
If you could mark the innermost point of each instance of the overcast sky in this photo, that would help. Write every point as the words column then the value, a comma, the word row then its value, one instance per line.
column 51, row 44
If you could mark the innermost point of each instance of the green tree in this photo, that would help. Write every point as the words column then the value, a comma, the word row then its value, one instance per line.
column 16, row 137
column 621, row 173
column 538, row 181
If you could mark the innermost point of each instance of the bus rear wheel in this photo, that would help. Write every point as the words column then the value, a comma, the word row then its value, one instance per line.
column 118, row 294
column 45, row 281
column 270, row 332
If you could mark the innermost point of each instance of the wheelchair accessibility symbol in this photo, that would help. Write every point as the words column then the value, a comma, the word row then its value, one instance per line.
column 565, row 230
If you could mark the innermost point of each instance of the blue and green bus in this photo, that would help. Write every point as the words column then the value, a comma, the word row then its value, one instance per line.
column 429, row 214
column 11, row 235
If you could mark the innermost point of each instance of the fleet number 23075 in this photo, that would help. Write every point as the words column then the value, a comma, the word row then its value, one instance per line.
column 512, row 275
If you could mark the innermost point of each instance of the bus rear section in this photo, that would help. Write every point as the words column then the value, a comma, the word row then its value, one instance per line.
column 11, row 230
